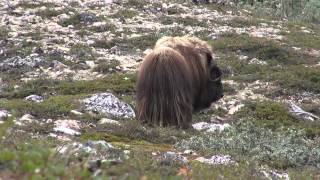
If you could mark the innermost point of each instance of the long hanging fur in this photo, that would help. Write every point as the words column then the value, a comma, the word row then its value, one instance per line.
column 173, row 81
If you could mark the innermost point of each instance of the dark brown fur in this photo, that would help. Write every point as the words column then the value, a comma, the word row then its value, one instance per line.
column 175, row 79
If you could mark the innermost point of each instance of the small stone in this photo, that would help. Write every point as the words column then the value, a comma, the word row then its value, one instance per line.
column 68, row 123
column 257, row 61
column 94, row 151
column 171, row 157
column 88, row 18
column 306, row 31
column 63, row 17
column 66, row 130
column 76, row 112
column 91, row 64
column 147, row 51
column 189, row 152
column 108, row 121
column 90, row 42
column 242, row 57
column 4, row 114
column 271, row 174
column 210, row 127
column 67, row 127
column 235, row 108
column 27, row 118
column 57, row 65
column 217, row 160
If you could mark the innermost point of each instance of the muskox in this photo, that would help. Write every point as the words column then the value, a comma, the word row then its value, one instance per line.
column 177, row 78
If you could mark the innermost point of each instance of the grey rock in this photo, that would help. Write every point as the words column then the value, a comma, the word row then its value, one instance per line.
column 94, row 3
column 217, row 160
column 67, row 127
column 34, row 98
column 170, row 157
column 274, row 175
column 4, row 114
column 95, row 152
column 108, row 104
column 108, row 121
column 212, row 1
column 66, row 130
column 88, row 18
column 19, row 62
column 25, row 119
column 57, row 65
column 210, row 127
column 298, row 111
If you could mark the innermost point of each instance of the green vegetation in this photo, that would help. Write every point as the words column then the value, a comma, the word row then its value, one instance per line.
column 242, row 22
column 206, row 116
column 275, row 116
column 299, row 78
column 117, row 83
column 264, row 134
column 261, row 48
column 25, row 48
column 125, row 13
column 36, row 160
column 35, row 4
column 104, row 27
column 82, row 52
column 133, row 131
column 135, row 3
column 50, row 12
column 103, row 43
column 107, row 67
column 187, row 21
column 31, row 161
column 79, row 20
column 304, row 40
column 3, row 33
column 293, row 10
column 245, row 140
column 54, row 107
column 286, row 67
column 142, row 42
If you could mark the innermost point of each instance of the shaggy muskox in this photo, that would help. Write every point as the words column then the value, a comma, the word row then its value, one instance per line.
column 177, row 78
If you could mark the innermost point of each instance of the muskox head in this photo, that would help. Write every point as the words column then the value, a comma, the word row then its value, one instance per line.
column 212, row 89
column 214, row 83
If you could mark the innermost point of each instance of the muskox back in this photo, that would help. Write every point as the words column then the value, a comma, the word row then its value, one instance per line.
column 164, row 89
column 178, row 77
